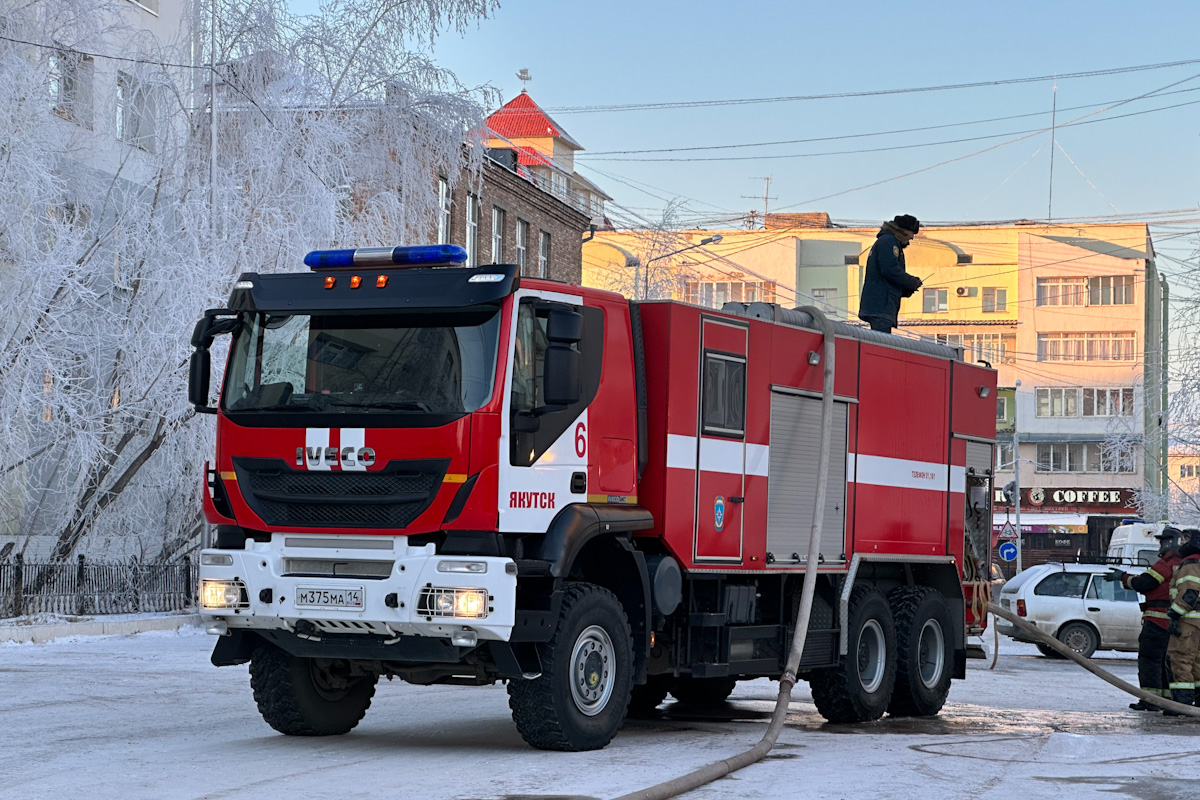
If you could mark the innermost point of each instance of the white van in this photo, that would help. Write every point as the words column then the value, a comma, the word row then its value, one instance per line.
column 1134, row 542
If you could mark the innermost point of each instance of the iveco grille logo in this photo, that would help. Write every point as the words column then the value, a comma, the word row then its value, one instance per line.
column 314, row 457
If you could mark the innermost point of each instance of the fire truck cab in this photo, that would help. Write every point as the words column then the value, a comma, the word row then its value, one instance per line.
column 462, row 475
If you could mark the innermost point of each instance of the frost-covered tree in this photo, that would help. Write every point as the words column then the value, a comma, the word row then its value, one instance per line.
column 331, row 129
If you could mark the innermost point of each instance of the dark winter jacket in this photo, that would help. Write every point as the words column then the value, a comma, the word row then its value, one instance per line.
column 886, row 282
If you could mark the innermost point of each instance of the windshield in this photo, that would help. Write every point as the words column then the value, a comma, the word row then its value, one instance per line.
column 439, row 362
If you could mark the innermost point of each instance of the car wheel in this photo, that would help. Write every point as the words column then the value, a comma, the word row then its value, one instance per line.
column 1079, row 637
column 1048, row 651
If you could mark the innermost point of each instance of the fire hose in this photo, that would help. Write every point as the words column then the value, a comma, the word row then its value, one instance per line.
column 719, row 769
column 1089, row 665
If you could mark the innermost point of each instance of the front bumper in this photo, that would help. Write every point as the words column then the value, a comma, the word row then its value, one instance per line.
column 391, row 578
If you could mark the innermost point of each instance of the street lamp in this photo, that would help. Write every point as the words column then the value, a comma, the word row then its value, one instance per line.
column 714, row 239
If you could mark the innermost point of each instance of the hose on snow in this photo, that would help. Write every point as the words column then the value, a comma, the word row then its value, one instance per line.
column 719, row 769
column 1090, row 666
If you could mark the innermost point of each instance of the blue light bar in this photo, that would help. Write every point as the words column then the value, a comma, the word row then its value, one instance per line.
column 421, row 256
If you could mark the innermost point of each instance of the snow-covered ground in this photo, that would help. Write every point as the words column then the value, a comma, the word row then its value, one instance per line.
column 147, row 716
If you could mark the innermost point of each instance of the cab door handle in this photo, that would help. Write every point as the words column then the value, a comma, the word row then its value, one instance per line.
column 1093, row 608
column 737, row 499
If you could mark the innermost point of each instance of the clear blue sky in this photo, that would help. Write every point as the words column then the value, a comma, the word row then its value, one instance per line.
column 643, row 52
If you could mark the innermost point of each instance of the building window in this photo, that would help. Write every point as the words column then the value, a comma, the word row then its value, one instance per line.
column 1062, row 291
column 934, row 300
column 543, row 255
column 994, row 348
column 443, row 231
column 1110, row 290
column 1108, row 402
column 1001, row 409
column 149, row 5
column 136, row 113
column 472, row 230
column 522, row 244
column 497, row 235
column 1188, row 470
column 1079, row 457
column 70, row 86
column 1058, row 402
column 1105, row 346
column 995, row 300
column 1004, row 456
column 715, row 294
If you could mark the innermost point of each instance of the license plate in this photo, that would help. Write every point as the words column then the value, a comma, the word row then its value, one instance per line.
column 324, row 597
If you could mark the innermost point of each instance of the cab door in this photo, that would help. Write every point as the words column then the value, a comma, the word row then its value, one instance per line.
column 721, row 456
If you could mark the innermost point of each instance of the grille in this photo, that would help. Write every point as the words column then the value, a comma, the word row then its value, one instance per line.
column 390, row 498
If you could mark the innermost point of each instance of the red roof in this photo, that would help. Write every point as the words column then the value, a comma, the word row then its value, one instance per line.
column 521, row 118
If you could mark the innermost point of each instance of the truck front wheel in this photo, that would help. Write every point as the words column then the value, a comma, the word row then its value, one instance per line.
column 579, row 700
column 860, row 688
column 308, row 696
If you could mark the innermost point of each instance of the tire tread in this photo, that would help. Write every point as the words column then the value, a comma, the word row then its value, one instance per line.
column 274, row 690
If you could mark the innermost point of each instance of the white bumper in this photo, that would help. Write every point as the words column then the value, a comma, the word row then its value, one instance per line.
column 391, row 597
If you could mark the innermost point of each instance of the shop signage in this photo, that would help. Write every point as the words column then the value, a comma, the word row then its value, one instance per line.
column 1073, row 500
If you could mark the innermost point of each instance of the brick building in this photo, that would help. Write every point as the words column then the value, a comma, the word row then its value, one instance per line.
column 507, row 219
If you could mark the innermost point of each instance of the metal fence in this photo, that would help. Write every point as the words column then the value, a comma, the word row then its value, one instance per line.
column 81, row 587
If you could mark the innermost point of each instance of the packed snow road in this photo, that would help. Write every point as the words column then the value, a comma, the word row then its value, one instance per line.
column 146, row 716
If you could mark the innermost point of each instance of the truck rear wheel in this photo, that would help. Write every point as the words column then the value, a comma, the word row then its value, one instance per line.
column 860, row 688
column 702, row 691
column 308, row 696
column 924, row 652
column 579, row 700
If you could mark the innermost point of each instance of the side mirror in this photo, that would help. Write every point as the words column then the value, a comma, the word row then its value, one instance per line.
column 564, row 326
column 561, row 382
column 200, row 366
column 199, row 371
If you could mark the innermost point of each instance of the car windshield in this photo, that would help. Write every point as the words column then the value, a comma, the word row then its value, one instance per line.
column 438, row 362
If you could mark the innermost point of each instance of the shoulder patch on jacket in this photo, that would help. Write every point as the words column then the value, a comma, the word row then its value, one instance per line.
column 896, row 251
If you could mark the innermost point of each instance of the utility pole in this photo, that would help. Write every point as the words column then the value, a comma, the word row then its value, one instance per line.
column 1017, row 472
column 766, row 198
column 1053, row 144
column 212, row 126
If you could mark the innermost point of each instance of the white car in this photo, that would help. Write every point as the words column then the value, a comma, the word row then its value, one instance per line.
column 1073, row 603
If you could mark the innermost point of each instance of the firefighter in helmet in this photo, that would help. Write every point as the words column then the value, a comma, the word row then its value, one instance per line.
column 1155, row 584
column 1183, row 621
column 886, row 282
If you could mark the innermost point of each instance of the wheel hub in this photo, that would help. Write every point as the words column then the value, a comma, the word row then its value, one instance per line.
column 931, row 653
column 871, row 656
column 592, row 671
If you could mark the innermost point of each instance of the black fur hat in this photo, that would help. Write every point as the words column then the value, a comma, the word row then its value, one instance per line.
column 908, row 222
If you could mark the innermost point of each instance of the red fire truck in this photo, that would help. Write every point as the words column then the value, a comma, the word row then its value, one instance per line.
column 462, row 475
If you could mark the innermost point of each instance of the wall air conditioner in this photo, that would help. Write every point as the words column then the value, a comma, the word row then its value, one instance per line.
column 966, row 291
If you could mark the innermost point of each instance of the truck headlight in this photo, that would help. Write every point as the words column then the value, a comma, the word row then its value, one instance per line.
column 223, row 594
column 438, row 601
column 472, row 567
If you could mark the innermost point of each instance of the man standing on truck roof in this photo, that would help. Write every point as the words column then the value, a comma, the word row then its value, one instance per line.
column 1155, row 584
column 886, row 282
column 1183, row 616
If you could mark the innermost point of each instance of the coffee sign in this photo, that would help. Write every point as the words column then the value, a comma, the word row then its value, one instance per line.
column 1074, row 499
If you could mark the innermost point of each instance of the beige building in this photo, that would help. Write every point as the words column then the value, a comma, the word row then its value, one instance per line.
column 1074, row 312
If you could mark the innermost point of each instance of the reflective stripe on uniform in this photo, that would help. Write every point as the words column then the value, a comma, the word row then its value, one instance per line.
column 1189, row 578
column 1155, row 614
column 1154, row 575
column 1183, row 686
column 1178, row 609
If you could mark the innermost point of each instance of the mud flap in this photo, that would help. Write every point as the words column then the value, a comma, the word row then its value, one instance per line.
column 235, row 648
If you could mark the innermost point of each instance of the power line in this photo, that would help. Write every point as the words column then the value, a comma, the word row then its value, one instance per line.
column 592, row 154
column 872, row 93
column 890, row 148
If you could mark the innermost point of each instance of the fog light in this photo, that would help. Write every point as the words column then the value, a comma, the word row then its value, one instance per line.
column 221, row 594
column 470, row 603
column 464, row 638
column 216, row 560
column 443, row 602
